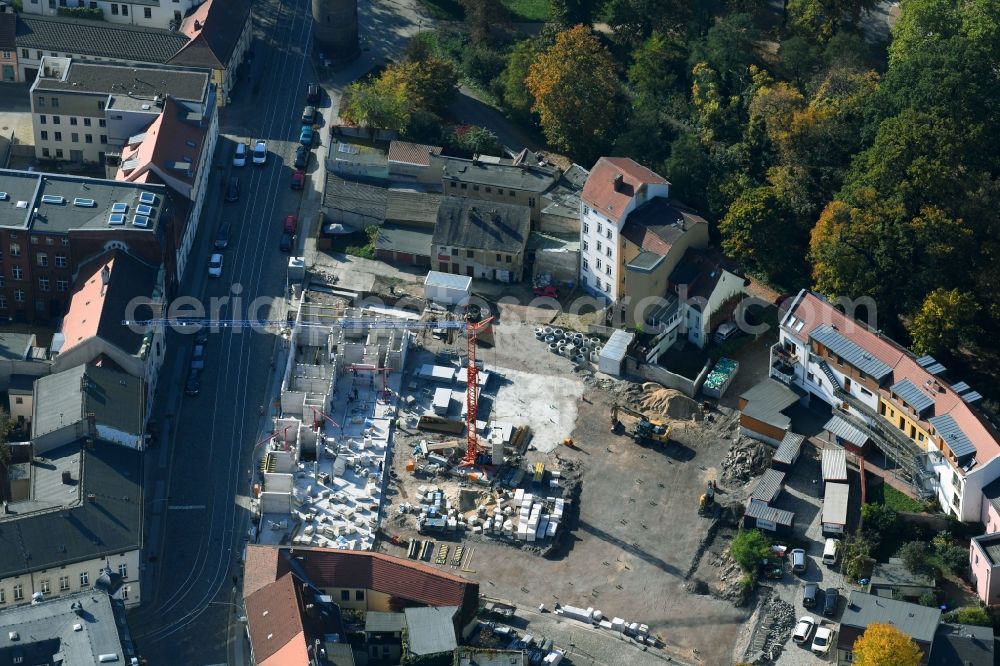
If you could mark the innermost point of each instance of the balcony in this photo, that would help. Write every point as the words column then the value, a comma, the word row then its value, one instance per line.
column 783, row 364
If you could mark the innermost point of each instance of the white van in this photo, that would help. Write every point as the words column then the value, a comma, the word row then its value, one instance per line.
column 724, row 332
column 830, row 552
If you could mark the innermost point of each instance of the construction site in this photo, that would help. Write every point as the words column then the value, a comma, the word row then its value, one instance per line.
column 572, row 488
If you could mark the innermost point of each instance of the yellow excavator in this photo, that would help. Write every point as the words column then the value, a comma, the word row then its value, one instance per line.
column 644, row 430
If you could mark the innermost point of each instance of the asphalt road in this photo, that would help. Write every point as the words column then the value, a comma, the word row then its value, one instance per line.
column 197, row 481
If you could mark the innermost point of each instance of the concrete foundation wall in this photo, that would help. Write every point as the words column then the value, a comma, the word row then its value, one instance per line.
column 276, row 503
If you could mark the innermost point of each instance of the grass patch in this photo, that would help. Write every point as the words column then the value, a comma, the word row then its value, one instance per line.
column 444, row 10
column 359, row 244
column 883, row 493
column 528, row 10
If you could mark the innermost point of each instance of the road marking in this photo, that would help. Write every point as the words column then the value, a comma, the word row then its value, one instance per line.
column 187, row 507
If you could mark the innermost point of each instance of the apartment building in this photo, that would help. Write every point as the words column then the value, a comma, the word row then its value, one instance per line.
column 904, row 406
column 165, row 14
column 52, row 225
column 481, row 239
column 219, row 33
column 74, row 522
column 81, row 112
column 93, row 41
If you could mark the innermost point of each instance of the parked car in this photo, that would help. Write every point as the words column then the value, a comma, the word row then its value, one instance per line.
column 215, row 265
column 298, row 179
column 309, row 115
column 831, row 550
column 233, row 189
column 222, row 236
column 240, row 156
column 301, row 157
column 192, row 386
column 831, row 599
column 803, row 629
column 306, row 135
column 260, row 152
column 198, row 357
column 809, row 594
column 799, row 561
column 313, row 93
column 821, row 642
column 290, row 225
column 724, row 332
column 285, row 244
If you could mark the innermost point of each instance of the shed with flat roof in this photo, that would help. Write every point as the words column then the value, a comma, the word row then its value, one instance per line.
column 611, row 360
column 835, row 498
column 447, row 288
column 834, row 465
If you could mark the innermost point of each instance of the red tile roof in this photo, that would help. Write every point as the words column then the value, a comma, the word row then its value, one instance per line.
column 169, row 141
column 814, row 311
column 214, row 29
column 403, row 579
column 275, row 624
column 600, row 193
column 260, row 568
column 412, row 153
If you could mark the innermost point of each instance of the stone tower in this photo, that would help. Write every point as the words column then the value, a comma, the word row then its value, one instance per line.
column 335, row 28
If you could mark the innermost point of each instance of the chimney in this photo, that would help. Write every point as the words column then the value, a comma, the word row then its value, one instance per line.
column 619, row 179
column 105, row 275
column 67, row 477
column 92, row 497
column 197, row 24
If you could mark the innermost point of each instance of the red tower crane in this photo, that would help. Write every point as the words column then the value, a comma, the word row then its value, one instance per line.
column 472, row 330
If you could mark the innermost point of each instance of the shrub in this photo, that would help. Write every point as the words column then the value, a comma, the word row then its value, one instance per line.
column 914, row 556
column 879, row 519
column 474, row 139
column 954, row 558
column 482, row 64
column 855, row 557
column 748, row 548
column 969, row 615
column 928, row 599
column 81, row 13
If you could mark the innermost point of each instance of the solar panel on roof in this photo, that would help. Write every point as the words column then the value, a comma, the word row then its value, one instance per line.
column 119, row 207
column 924, row 361
column 936, row 369
column 972, row 397
column 116, row 218
column 140, row 221
column 143, row 209
column 960, row 387
column 912, row 395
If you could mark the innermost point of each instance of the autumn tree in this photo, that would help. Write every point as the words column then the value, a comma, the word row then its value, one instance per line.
column 376, row 105
column 430, row 83
column 758, row 231
column 575, row 90
column 485, row 18
column 945, row 320
column 885, row 645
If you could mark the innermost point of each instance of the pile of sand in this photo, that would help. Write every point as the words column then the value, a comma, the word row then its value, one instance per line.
column 657, row 401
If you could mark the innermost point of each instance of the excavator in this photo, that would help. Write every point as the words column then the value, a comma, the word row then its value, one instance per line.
column 645, row 429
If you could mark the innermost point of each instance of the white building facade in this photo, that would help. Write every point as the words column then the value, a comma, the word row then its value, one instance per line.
column 165, row 14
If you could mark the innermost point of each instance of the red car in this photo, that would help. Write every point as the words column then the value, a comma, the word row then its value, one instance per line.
column 298, row 179
column 291, row 224
column 547, row 292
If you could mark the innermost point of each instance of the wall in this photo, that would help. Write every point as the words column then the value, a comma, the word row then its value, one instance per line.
column 765, row 432
column 483, row 264
column 645, row 290
column 562, row 266
column 19, row 406
column 661, row 375
column 533, row 200
column 985, row 577
column 32, row 582
column 198, row 190
column 32, row 368
column 160, row 14
column 225, row 80
column 130, row 440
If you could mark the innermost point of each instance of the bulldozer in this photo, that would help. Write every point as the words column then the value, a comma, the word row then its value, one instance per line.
column 644, row 430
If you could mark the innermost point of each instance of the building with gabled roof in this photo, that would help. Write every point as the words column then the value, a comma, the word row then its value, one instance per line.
column 903, row 405
column 219, row 34
column 920, row 623
column 481, row 239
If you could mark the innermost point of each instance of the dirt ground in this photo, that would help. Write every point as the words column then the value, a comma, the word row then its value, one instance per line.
column 636, row 537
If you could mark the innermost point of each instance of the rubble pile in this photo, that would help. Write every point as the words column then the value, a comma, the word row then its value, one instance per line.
column 746, row 459
column 781, row 618
column 668, row 403
column 729, row 585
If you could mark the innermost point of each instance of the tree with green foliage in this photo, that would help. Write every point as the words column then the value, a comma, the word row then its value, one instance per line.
column 474, row 139
column 879, row 520
column 945, row 320
column 855, row 557
column 749, row 548
column 659, row 65
column 567, row 13
column 974, row 615
column 758, row 230
column 821, row 19
column 486, row 20
column 576, row 93
column 516, row 95
column 376, row 105
column 729, row 49
column 914, row 555
column 632, row 21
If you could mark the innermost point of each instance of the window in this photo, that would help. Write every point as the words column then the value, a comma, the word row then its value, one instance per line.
column 499, row 258
column 531, row 201
column 58, row 136
column 586, row 264
column 55, row 100
column 585, row 246
column 599, row 246
column 65, row 242
column 100, row 107
column 74, row 137
column 18, row 592
column 469, row 254
column 499, row 190
column 454, row 251
column 609, row 234
column 866, row 391
column 59, row 153
column 42, row 120
column 17, row 272
column 86, row 122
column 42, row 259
column 475, row 188
column 609, row 252
column 511, row 193
column 60, row 260
column 41, row 100
column 88, row 138
column 508, row 259
column 114, row 9
column 63, row 583
column 600, row 228
column 104, row 138
column 598, row 264
column 586, row 210
column 44, row 135
column 62, row 285
column 43, row 283
column 464, row 186
column 811, row 377
column 84, row 579
column 345, row 595
column 607, row 287
column 124, row 10
column 72, row 120
column 38, row 56
column 607, row 270
column 586, row 228
column 46, row 152
column 123, row 571
column 45, row 587
column 920, row 437
column 359, row 595
column 3, row 302
column 3, row 596
column 18, row 400
column 489, row 189
column 24, row 53
column 147, row 12
column 34, row 240
column 125, row 589
column 2, row 280
column 39, row 305
column 453, row 184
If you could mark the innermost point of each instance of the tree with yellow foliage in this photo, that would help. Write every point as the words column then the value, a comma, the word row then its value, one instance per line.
column 576, row 90
column 885, row 645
